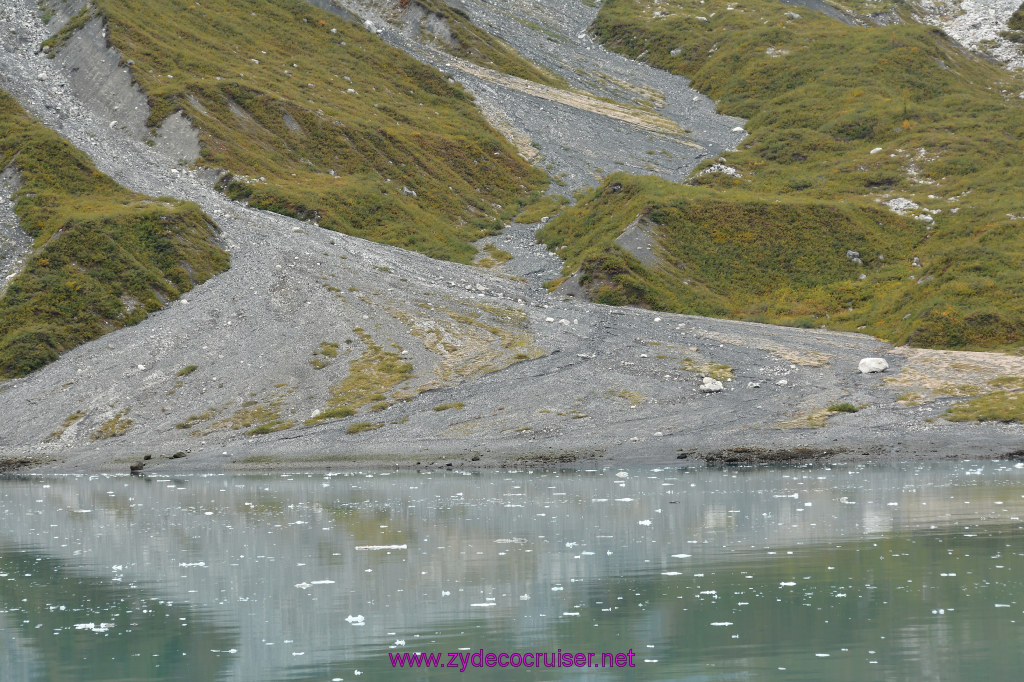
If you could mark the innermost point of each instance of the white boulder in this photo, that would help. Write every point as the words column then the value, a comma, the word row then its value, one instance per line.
column 872, row 365
column 711, row 386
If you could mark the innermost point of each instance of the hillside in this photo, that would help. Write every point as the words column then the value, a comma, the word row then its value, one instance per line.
column 895, row 120
column 100, row 256
column 315, row 118
column 322, row 350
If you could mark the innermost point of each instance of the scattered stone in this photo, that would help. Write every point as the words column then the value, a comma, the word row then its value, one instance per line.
column 753, row 384
column 782, row 382
column 711, row 386
column 872, row 365
column 408, row 192
column 792, row 15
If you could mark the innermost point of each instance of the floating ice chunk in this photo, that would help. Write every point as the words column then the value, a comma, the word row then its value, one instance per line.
column 354, row 619
column 524, row 597
column 671, row 573
column 399, row 642
column 624, row 499
column 645, row 522
column 722, row 624
column 303, row 585
column 197, row 564
column 822, row 655
column 322, row 582
column 787, row 584
column 570, row 613
column 486, row 603
column 557, row 588
column 376, row 547
column 622, row 474
column 681, row 556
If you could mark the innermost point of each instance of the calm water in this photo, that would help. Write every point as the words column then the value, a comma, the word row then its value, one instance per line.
column 839, row 573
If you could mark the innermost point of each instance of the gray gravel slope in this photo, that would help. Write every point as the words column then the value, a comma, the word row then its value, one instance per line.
column 531, row 378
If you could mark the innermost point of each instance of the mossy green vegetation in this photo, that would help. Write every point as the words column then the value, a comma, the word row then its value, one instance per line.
column 493, row 256
column 1004, row 402
column 541, row 206
column 449, row 406
column 359, row 427
column 998, row 406
column 103, row 257
column 322, row 356
column 1015, row 24
column 1016, row 20
column 316, row 118
column 57, row 40
column 733, row 253
column 480, row 47
column 841, row 119
column 370, row 376
column 117, row 425
column 843, row 407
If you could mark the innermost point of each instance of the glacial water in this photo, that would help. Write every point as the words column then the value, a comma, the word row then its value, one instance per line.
column 843, row 572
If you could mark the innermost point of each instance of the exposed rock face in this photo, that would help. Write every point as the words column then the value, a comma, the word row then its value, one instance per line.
column 872, row 365
column 15, row 245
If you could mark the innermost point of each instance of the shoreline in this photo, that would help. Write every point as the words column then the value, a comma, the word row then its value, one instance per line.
column 996, row 442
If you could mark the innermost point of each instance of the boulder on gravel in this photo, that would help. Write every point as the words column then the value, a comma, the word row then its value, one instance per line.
column 711, row 385
column 872, row 365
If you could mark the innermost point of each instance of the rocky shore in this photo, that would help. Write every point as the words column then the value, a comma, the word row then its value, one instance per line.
column 503, row 373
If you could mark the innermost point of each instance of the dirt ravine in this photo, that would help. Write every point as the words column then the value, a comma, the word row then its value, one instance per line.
column 502, row 373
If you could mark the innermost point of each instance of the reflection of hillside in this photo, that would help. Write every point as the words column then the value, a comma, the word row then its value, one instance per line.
column 241, row 548
column 55, row 605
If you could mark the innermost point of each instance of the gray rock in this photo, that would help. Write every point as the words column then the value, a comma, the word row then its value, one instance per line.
column 872, row 365
column 711, row 386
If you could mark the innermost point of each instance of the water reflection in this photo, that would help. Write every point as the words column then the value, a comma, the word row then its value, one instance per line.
column 61, row 625
column 802, row 573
